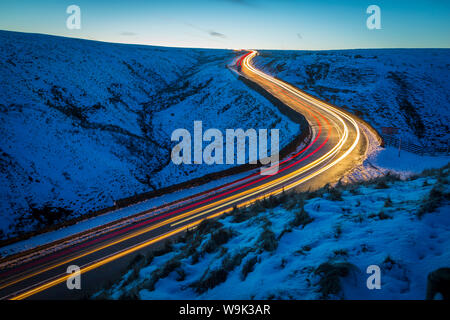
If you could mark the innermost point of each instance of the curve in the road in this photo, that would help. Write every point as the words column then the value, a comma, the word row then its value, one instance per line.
column 342, row 136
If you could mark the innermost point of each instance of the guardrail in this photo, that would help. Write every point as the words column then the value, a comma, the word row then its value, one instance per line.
column 406, row 145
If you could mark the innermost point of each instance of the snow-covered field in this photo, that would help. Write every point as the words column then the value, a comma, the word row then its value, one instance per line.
column 404, row 88
column 279, row 251
column 83, row 123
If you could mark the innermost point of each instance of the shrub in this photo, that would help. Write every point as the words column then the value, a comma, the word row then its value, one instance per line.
column 230, row 262
column 247, row 213
column 388, row 262
column 130, row 294
column 290, row 202
column 135, row 265
column 388, row 202
column 302, row 218
column 218, row 238
column 48, row 215
column 168, row 247
column 438, row 282
column 330, row 274
column 158, row 274
column 283, row 263
column 382, row 182
column 195, row 257
column 431, row 202
column 248, row 267
column 317, row 193
column 208, row 225
column 341, row 252
column 181, row 274
column 383, row 216
column 335, row 194
column 380, row 215
column 337, row 231
column 381, row 185
column 267, row 240
column 210, row 280
column 271, row 202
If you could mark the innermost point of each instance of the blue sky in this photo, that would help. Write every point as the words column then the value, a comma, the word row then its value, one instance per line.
column 258, row 24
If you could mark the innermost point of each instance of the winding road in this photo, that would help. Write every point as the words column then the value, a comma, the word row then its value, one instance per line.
column 338, row 143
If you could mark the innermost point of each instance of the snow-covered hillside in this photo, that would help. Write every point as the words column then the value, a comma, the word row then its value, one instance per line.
column 404, row 88
column 308, row 246
column 83, row 123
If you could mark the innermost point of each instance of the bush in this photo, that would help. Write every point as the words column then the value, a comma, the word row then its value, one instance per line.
column 210, row 280
column 247, row 213
column 388, row 202
column 230, row 262
column 302, row 218
column 382, row 182
column 208, row 225
column 218, row 238
column 195, row 257
column 267, row 240
column 271, row 202
column 291, row 202
column 248, row 267
column 335, row 194
column 168, row 247
column 303, row 250
column 168, row 268
column 135, row 265
column 341, row 252
column 380, row 215
column 381, row 185
column 432, row 201
column 438, row 282
column 130, row 294
column 181, row 274
column 48, row 215
column 337, row 231
column 388, row 263
column 330, row 274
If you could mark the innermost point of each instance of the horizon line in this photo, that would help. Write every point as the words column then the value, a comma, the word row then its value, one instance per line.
column 215, row 48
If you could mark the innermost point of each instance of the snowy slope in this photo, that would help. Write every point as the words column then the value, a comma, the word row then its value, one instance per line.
column 83, row 123
column 272, row 251
column 404, row 88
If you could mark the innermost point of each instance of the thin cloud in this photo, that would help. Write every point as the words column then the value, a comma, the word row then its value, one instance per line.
column 299, row 36
column 217, row 34
column 212, row 33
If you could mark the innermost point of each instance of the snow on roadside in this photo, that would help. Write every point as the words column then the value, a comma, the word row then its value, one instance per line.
column 406, row 163
column 372, row 224
column 381, row 161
